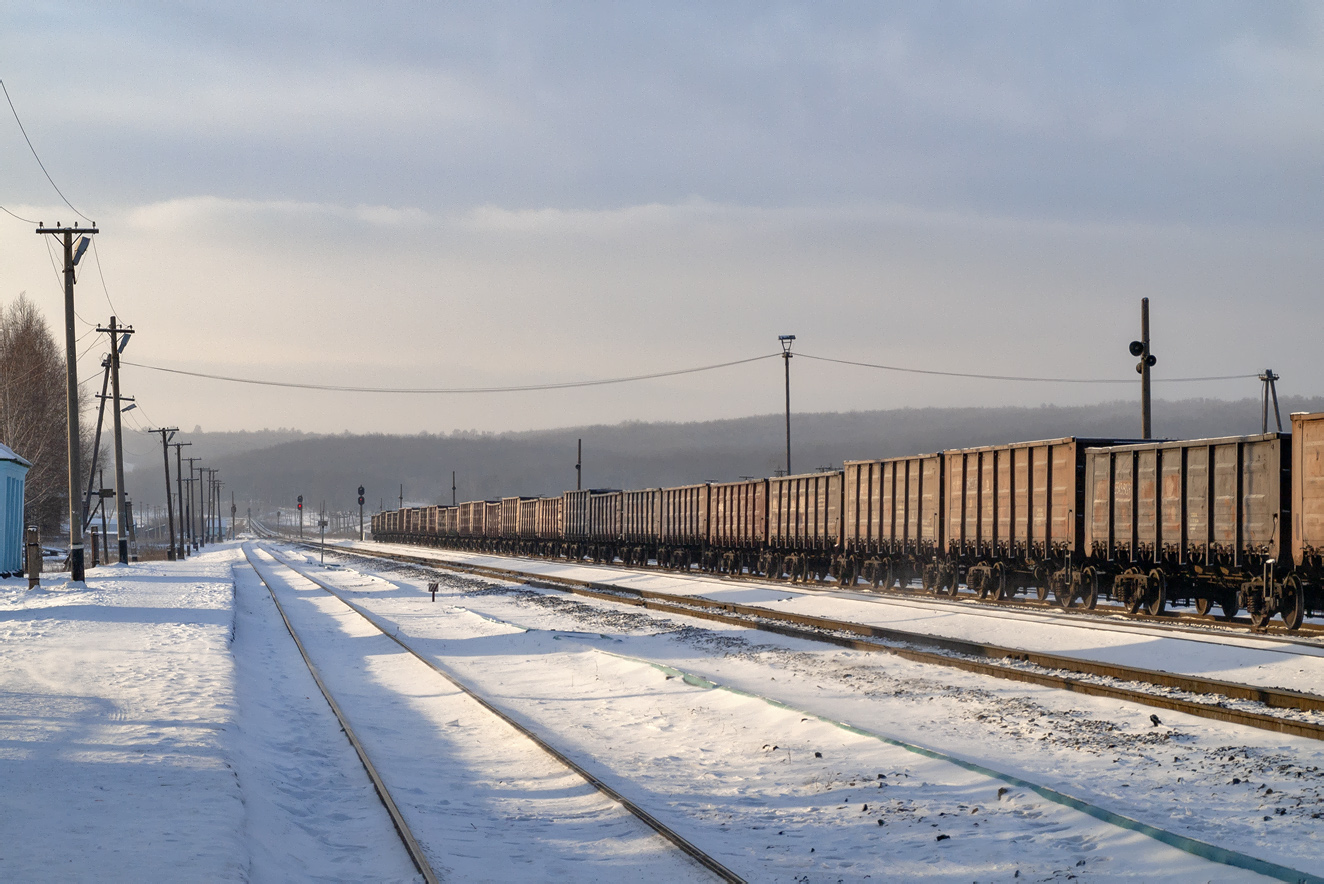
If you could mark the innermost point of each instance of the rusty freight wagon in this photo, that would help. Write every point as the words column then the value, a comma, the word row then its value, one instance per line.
column 1207, row 519
column 471, row 521
column 804, row 524
column 450, row 522
column 641, row 521
column 683, row 533
column 737, row 524
column 491, row 524
column 1015, row 517
column 1307, row 535
column 547, row 529
column 604, row 524
column 1203, row 519
column 527, row 526
column 892, row 520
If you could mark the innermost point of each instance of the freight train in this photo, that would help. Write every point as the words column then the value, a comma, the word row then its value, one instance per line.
column 1233, row 523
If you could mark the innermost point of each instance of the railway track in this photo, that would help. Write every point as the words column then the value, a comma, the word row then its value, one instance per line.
column 401, row 825
column 1203, row 697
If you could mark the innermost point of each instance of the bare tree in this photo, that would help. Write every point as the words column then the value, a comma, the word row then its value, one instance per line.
column 33, row 413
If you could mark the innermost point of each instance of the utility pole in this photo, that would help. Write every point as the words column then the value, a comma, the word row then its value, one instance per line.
column 452, row 488
column 786, row 341
column 192, row 508
column 402, row 496
column 579, row 464
column 76, row 569
column 179, row 484
column 121, row 520
column 1270, row 390
column 170, row 513
column 233, row 511
column 96, row 441
column 1141, row 348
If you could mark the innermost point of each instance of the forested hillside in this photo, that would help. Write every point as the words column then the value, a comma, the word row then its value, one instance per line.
column 634, row 455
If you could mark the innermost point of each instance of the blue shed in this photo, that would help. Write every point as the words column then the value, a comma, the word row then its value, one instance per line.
column 13, row 473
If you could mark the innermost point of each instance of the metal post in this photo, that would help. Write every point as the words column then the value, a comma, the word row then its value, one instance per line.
column 786, row 341
column 1270, row 389
column 1145, row 426
column 452, row 488
column 579, row 464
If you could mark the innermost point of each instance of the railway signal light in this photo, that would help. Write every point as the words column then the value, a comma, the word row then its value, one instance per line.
column 300, row 502
column 1137, row 348
column 360, row 500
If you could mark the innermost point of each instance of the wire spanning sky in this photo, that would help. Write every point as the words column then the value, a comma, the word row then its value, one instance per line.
column 467, row 195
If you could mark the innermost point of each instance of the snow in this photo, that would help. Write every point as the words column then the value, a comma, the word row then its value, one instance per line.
column 159, row 724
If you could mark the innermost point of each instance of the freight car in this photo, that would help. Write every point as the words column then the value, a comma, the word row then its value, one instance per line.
column 1210, row 521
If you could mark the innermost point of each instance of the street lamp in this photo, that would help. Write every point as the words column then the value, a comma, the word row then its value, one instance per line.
column 786, row 341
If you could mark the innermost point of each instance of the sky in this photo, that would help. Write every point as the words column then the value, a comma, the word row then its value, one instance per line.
column 460, row 195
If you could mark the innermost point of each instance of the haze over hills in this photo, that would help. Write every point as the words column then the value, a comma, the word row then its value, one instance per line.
column 638, row 455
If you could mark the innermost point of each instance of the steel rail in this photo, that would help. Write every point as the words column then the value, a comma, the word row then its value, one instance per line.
column 415, row 850
column 634, row 809
column 870, row 638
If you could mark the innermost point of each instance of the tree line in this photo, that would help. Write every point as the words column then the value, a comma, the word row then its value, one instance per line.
column 34, row 413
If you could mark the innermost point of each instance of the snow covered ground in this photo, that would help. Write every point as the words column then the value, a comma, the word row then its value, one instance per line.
column 159, row 725
column 1238, row 657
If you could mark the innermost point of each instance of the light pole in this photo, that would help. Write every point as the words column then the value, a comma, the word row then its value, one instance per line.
column 786, row 341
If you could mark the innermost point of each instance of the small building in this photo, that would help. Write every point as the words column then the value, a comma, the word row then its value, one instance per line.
column 13, row 476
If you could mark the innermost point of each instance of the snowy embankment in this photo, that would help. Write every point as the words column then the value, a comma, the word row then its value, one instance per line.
column 1236, row 657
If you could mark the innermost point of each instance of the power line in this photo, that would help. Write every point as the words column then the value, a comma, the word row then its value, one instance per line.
column 37, row 158
column 19, row 217
column 97, row 257
column 1037, row 380
column 565, row 385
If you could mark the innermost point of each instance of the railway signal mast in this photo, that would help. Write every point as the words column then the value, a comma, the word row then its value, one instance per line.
column 360, row 512
column 1140, row 348
column 300, row 505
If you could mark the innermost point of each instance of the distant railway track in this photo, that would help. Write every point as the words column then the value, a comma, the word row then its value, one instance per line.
column 680, row 842
column 1095, row 678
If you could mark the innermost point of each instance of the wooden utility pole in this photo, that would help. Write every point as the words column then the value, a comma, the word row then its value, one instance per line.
column 77, row 572
column 165, row 455
column 121, row 520
column 179, row 484
column 96, row 442
column 192, row 507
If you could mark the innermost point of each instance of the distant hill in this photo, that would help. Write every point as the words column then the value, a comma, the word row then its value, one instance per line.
column 637, row 455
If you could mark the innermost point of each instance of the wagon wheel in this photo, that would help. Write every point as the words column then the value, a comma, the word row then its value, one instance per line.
column 1001, row 591
column 947, row 581
column 929, row 578
column 1134, row 600
column 1229, row 605
column 1066, row 589
column 1042, row 589
column 1089, row 588
column 1294, row 602
column 1158, row 593
column 1204, row 605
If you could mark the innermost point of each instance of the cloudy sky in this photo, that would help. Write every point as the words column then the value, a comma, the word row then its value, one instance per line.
column 485, row 194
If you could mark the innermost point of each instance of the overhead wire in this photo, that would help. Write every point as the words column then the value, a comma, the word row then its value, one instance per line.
column 1021, row 378
column 96, row 256
column 14, row 110
column 522, row 388
column 19, row 217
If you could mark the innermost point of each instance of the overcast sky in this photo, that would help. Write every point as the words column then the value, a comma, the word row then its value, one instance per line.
column 473, row 194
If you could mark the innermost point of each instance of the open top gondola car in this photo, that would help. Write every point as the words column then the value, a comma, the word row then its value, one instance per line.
column 892, row 520
column 1203, row 519
column 804, row 524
